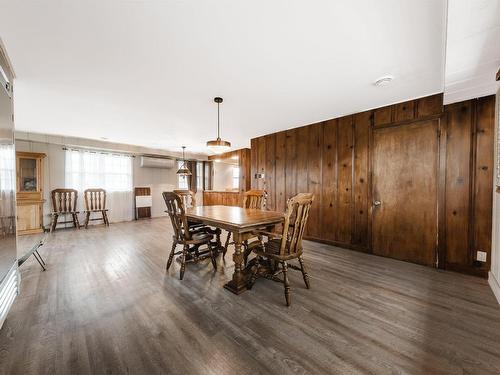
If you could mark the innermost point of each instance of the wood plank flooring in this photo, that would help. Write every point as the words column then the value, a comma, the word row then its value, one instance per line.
column 106, row 306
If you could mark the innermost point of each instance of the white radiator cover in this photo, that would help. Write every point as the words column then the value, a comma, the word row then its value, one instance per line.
column 9, row 289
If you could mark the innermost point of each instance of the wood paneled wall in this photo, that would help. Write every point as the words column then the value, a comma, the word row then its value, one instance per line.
column 222, row 198
column 332, row 159
column 469, row 183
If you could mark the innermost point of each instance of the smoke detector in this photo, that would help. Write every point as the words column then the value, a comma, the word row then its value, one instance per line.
column 383, row 81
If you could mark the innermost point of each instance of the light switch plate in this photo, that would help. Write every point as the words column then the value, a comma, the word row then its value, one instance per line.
column 481, row 256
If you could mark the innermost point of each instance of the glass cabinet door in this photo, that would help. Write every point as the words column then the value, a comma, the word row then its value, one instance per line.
column 28, row 175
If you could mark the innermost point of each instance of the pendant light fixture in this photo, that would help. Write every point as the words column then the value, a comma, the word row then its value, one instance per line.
column 183, row 170
column 218, row 146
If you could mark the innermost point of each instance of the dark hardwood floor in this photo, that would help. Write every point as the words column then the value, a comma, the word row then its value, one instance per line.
column 106, row 305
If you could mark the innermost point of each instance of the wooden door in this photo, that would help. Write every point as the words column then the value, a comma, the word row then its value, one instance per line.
column 405, row 191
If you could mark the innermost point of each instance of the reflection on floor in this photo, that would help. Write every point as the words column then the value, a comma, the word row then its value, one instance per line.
column 105, row 304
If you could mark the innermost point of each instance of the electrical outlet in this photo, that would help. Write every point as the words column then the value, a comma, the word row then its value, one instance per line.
column 481, row 256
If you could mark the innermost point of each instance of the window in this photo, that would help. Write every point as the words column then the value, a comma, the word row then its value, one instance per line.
column 182, row 181
column 87, row 169
column 92, row 169
column 207, row 175
column 199, row 175
column 236, row 177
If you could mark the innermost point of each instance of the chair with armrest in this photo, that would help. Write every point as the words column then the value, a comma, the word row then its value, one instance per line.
column 282, row 248
column 188, row 198
column 183, row 235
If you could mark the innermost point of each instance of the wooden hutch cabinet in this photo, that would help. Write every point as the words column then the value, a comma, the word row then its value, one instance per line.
column 29, row 192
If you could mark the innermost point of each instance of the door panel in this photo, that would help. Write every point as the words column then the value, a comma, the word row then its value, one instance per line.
column 405, row 164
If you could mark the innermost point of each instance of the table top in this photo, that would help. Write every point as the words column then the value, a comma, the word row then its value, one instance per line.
column 233, row 217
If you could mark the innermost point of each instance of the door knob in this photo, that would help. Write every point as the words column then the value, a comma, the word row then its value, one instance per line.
column 377, row 203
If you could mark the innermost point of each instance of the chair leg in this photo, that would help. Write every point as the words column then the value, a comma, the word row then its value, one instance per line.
column 286, row 282
column 304, row 273
column 255, row 271
column 246, row 253
column 183, row 261
column 54, row 222
column 217, row 237
column 77, row 222
column 171, row 255
column 212, row 256
column 226, row 245
column 87, row 219
column 195, row 252
column 106, row 216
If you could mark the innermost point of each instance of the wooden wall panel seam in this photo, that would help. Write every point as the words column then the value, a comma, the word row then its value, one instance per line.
column 441, row 240
column 472, row 185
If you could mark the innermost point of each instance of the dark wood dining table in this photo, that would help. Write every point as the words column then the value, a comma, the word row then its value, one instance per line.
column 241, row 222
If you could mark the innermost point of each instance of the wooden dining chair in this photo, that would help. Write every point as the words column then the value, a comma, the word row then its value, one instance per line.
column 95, row 202
column 183, row 235
column 188, row 198
column 64, row 203
column 282, row 248
column 255, row 199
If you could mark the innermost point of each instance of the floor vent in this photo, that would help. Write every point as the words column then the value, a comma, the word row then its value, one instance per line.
column 8, row 292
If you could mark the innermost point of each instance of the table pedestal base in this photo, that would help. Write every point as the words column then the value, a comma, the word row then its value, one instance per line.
column 234, row 288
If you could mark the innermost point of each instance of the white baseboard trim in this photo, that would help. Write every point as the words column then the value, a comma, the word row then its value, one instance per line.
column 495, row 285
column 9, row 289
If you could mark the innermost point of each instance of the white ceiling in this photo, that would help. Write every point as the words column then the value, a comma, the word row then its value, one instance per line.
column 472, row 49
column 145, row 72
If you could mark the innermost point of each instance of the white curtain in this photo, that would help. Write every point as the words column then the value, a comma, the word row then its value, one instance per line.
column 89, row 169
column 7, row 189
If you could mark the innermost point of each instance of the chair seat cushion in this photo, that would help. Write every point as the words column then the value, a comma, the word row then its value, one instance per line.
column 96, row 210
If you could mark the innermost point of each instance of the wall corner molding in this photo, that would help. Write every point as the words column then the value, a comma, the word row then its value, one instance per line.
column 494, row 285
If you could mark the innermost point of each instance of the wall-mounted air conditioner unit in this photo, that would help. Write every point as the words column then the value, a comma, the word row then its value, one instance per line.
column 150, row 162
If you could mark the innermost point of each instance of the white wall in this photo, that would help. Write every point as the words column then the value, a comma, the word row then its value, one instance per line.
column 158, row 180
column 494, row 276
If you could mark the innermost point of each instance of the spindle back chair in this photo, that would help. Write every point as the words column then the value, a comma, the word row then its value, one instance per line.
column 255, row 199
column 188, row 197
column 286, row 246
column 64, row 202
column 95, row 202
column 191, row 240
